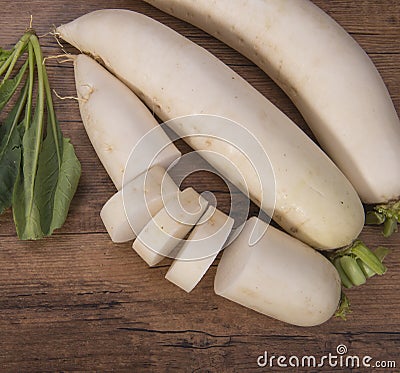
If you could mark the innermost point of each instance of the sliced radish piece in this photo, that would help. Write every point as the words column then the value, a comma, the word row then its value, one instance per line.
column 128, row 211
column 199, row 251
column 169, row 226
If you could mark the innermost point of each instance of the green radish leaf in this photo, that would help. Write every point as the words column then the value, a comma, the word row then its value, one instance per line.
column 39, row 171
column 68, row 179
column 62, row 151
column 4, row 54
column 46, row 181
column 10, row 151
column 56, row 180
column 9, row 86
column 25, row 207
column 50, row 169
column 6, row 58
column 10, row 158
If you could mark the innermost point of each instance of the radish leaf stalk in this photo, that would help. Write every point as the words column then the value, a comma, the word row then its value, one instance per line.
column 357, row 263
column 8, row 87
column 380, row 253
column 387, row 214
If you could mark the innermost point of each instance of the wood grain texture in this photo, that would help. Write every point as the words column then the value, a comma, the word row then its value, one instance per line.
column 76, row 301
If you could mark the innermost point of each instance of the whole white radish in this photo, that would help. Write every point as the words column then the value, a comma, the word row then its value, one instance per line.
column 115, row 121
column 200, row 249
column 175, row 77
column 169, row 226
column 126, row 213
column 324, row 71
column 278, row 276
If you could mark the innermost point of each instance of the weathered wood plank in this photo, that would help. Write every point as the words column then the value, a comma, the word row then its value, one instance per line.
column 101, row 301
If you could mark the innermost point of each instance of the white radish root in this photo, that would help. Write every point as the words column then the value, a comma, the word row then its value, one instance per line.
column 116, row 121
column 175, row 77
column 328, row 76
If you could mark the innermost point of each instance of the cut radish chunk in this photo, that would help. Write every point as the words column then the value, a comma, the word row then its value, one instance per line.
column 128, row 211
column 278, row 276
column 169, row 226
column 200, row 249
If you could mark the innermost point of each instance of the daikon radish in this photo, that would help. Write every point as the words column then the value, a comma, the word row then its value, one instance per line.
column 324, row 71
column 126, row 213
column 169, row 226
column 279, row 276
column 175, row 77
column 199, row 250
column 116, row 120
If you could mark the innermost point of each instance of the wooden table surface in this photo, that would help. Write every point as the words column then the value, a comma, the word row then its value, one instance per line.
column 76, row 301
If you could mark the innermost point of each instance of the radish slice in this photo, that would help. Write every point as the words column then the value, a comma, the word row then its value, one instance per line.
column 199, row 251
column 278, row 276
column 169, row 226
column 116, row 120
column 128, row 211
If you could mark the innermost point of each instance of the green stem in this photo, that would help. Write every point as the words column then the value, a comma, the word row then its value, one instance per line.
column 39, row 116
column 49, row 100
column 19, row 110
column 374, row 218
column 352, row 270
column 19, row 49
column 357, row 262
column 369, row 258
column 21, row 107
column 345, row 280
column 31, row 79
column 389, row 226
column 387, row 214
column 6, row 63
column 12, row 88
column 5, row 55
column 380, row 252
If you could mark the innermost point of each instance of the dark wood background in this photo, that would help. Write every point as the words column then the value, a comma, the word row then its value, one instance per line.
column 76, row 301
